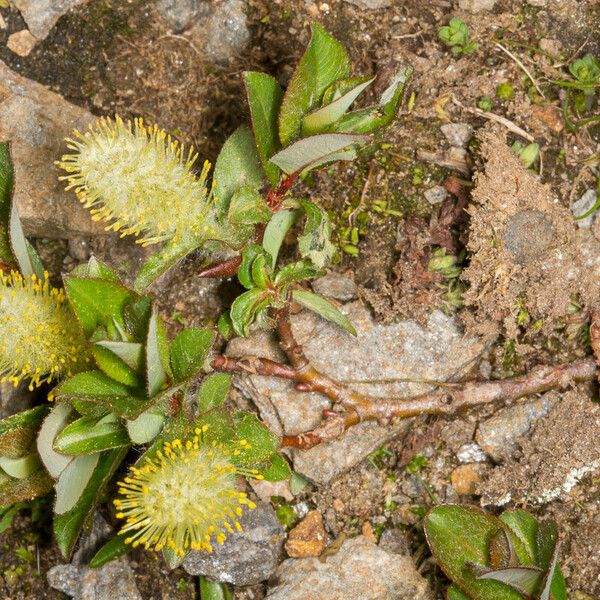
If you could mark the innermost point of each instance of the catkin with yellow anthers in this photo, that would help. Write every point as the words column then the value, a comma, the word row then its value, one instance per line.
column 139, row 181
column 40, row 339
column 184, row 497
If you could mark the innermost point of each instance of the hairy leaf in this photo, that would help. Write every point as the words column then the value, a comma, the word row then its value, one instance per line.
column 264, row 98
column 6, row 190
column 315, row 242
column 73, row 481
column 248, row 207
column 246, row 307
column 146, row 427
column 278, row 470
column 156, row 374
column 276, row 231
column 114, row 366
column 189, row 351
column 88, row 435
column 324, row 61
column 260, row 444
column 324, row 308
column 19, row 490
column 54, row 423
column 214, row 391
column 111, row 550
column 18, row 431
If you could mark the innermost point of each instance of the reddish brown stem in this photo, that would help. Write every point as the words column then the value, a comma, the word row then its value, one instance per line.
column 227, row 268
column 275, row 196
column 6, row 267
column 256, row 366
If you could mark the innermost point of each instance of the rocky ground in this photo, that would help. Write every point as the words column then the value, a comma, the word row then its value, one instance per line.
column 349, row 525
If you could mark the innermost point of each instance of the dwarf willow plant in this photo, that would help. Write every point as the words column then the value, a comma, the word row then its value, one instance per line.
column 510, row 557
column 121, row 383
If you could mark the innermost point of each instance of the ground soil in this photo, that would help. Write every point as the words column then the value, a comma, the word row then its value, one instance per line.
column 119, row 56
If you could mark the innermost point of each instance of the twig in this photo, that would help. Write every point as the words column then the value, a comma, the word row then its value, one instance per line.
column 494, row 117
column 525, row 69
column 361, row 407
column 227, row 268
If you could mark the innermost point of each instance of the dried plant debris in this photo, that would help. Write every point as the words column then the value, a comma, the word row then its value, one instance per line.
column 525, row 248
column 554, row 459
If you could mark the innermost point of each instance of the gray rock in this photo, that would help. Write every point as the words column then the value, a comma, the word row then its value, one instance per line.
column 378, row 354
column 476, row 6
column 245, row 558
column 36, row 121
column 539, row 3
column 336, row 286
column 359, row 570
column 180, row 13
column 371, row 4
column 14, row 399
column 470, row 453
column 499, row 435
column 436, row 195
column 458, row 134
column 528, row 235
column 226, row 31
column 581, row 206
column 42, row 15
column 394, row 541
column 113, row 581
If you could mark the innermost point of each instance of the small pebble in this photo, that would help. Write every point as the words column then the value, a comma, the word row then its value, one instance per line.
column 436, row 195
column 470, row 453
column 582, row 206
column 465, row 479
column 308, row 538
column 458, row 134
column 21, row 42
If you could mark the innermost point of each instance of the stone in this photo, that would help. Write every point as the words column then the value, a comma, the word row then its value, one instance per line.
column 36, row 121
column 436, row 194
column 371, row 4
column 226, row 32
column 476, row 6
column 538, row 3
column 14, row 399
column 551, row 116
column 357, row 571
column 583, row 205
column 21, row 42
column 499, row 435
column 42, row 15
column 458, row 134
column 113, row 581
column 180, row 13
column 245, row 558
column 308, row 538
column 470, row 452
column 394, row 541
column 338, row 287
column 379, row 353
column 465, row 479
column 528, row 235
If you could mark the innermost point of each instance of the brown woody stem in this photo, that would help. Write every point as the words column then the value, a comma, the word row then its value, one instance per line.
column 441, row 401
column 227, row 268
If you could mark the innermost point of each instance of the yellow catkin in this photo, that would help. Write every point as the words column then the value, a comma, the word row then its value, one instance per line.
column 139, row 181
column 184, row 497
column 40, row 339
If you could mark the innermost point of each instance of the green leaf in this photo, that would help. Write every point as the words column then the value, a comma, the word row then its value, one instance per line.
column 114, row 366
column 137, row 316
column 371, row 118
column 294, row 272
column 260, row 444
column 248, row 207
column 189, row 351
column 459, row 536
column 324, row 62
column 453, row 593
column 72, row 482
column 92, row 385
column 214, row 590
column 146, row 427
column 19, row 490
column 21, row 467
column 67, row 527
column 320, row 119
column 26, row 256
column 238, row 165
column 97, row 302
column 276, row 231
column 324, row 308
column 246, row 307
column 18, row 431
column 54, row 423
column 522, row 529
column 278, row 470
column 315, row 149
column 131, row 353
column 219, row 426
column 110, row 551
column 525, row 580
column 171, row 253
column 214, row 391
column 88, row 435
column 249, row 253
column 315, row 242
column 264, row 98
column 95, row 269
column 261, row 270
column 156, row 374
column 6, row 190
